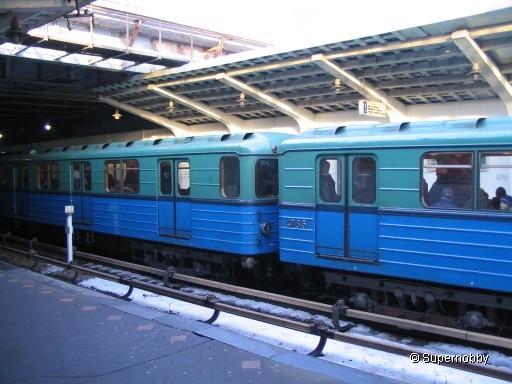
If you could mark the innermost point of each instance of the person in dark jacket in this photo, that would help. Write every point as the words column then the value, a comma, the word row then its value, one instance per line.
column 327, row 184
column 501, row 193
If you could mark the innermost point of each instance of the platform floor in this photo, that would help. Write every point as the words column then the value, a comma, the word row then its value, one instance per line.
column 55, row 332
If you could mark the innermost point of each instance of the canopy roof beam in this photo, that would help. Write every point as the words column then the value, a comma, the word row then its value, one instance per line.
column 396, row 110
column 484, row 67
column 233, row 123
column 303, row 117
column 178, row 129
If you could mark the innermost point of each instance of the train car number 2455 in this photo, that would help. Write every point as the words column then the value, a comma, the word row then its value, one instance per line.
column 297, row 223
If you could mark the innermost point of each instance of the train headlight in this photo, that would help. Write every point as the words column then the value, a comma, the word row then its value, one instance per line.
column 265, row 228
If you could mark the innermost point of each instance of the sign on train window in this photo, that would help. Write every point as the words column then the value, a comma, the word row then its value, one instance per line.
column 494, row 191
column 230, row 176
column 47, row 176
column 364, row 180
column 447, row 180
column 329, row 180
column 266, row 178
column 184, row 178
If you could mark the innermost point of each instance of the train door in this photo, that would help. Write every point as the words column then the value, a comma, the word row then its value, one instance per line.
column 81, row 192
column 346, row 216
column 361, row 212
column 21, row 200
column 330, row 225
column 174, row 198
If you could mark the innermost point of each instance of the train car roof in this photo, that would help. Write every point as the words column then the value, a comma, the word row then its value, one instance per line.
column 239, row 143
column 480, row 131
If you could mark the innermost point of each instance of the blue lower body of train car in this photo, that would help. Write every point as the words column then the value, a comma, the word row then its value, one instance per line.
column 449, row 248
column 217, row 226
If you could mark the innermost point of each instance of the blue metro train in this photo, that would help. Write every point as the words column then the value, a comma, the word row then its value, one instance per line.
column 406, row 219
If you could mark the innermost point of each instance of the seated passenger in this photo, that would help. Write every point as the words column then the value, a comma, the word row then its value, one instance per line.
column 442, row 181
column 446, row 199
column 112, row 183
column 483, row 201
column 131, row 182
column 500, row 194
column 505, row 204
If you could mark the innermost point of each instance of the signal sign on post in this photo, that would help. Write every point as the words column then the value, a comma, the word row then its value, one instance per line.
column 372, row 108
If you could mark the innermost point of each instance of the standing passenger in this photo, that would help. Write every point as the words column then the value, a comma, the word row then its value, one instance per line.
column 327, row 184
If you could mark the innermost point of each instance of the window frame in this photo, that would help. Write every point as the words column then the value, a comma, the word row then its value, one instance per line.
column 229, row 182
column 266, row 178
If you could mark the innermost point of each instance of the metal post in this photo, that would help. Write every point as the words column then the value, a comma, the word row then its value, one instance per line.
column 69, row 209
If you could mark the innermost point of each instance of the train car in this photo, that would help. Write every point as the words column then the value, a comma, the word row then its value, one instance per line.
column 206, row 203
column 402, row 219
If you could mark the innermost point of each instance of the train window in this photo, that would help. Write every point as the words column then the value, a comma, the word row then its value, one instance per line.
column 364, row 180
column 77, row 178
column 447, row 180
column 131, row 181
column 87, row 177
column 184, row 178
column 329, row 183
column 21, row 174
column 112, row 176
column 165, row 178
column 495, row 178
column 230, row 176
column 267, row 182
column 3, row 176
column 47, row 176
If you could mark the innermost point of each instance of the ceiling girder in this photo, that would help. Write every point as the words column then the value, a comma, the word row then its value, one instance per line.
column 396, row 110
column 489, row 70
column 178, row 129
column 233, row 123
column 304, row 118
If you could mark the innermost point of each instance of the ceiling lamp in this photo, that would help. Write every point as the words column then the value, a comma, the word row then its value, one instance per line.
column 337, row 87
column 117, row 115
column 242, row 100
column 15, row 34
column 171, row 106
column 475, row 71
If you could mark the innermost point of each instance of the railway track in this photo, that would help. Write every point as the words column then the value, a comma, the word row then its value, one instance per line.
column 336, row 319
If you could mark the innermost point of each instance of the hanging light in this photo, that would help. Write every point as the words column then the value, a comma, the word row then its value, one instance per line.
column 15, row 34
column 171, row 106
column 242, row 100
column 337, row 87
column 475, row 71
column 117, row 115
column 47, row 126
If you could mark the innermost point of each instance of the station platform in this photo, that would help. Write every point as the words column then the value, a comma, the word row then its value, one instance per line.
column 55, row 332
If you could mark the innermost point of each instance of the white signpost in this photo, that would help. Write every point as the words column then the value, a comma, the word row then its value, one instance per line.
column 372, row 108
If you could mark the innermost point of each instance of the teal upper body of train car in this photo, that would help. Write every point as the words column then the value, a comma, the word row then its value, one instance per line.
column 411, row 200
column 210, row 192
